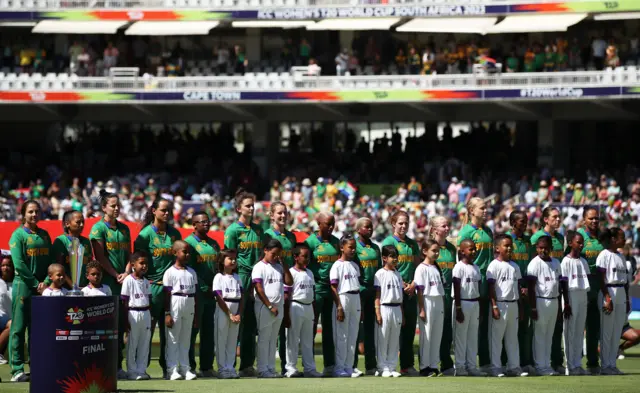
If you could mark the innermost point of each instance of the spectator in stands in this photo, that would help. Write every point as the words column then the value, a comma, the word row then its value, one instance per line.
column 414, row 61
column 342, row 62
column 304, row 51
column 562, row 59
column 513, row 64
column 401, row 62
column 529, row 61
column 241, row 62
column 612, row 60
column 598, row 51
column 549, row 58
column 575, row 58
column 110, row 58
column 428, row 60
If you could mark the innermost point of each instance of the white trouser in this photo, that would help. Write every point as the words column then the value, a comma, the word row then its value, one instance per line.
column 138, row 341
column 611, row 326
column 505, row 328
column 387, row 337
column 573, row 328
column 226, row 337
column 345, row 333
column 268, row 329
column 543, row 332
column 466, row 335
column 431, row 331
column 179, row 336
column 300, row 334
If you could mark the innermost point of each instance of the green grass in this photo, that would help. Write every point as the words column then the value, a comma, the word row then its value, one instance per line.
column 618, row 384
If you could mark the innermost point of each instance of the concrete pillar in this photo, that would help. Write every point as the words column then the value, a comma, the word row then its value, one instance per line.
column 264, row 145
column 254, row 46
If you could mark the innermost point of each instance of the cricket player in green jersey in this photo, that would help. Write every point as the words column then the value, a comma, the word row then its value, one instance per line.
column 277, row 230
column 325, row 250
column 204, row 258
column 246, row 237
column 408, row 258
column 438, row 231
column 111, row 242
column 551, row 221
column 590, row 251
column 156, row 239
column 368, row 256
column 523, row 252
column 72, row 226
column 482, row 236
column 30, row 249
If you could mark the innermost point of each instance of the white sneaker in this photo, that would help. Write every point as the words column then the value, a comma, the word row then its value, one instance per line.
column 21, row 377
column 3, row 360
column 474, row 372
column 293, row 374
column 450, row 372
column 122, row 375
column 386, row 374
column 357, row 373
column 461, row 372
column 313, row 374
column 395, row 374
column 410, row 372
column 497, row 374
column 620, row 355
column 371, row 372
column 248, row 372
column 175, row 376
column 189, row 376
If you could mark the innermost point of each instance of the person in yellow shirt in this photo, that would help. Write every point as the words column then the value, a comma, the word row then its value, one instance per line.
column 415, row 189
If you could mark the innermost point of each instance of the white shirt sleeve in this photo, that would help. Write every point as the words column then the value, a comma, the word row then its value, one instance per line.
column 490, row 272
column 418, row 278
column 518, row 272
column 167, row 279
column 108, row 290
column 376, row 281
column 257, row 273
column 602, row 260
column 334, row 275
column 216, row 283
column 126, row 287
column 533, row 269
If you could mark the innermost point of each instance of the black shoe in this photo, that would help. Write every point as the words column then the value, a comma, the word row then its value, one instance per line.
column 428, row 372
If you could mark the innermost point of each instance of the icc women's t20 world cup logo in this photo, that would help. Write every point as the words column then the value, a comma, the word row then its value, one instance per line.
column 75, row 315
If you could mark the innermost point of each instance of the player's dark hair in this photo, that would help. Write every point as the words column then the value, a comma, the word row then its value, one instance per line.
column 546, row 212
column 572, row 235
column 427, row 244
column 105, row 196
column 297, row 249
column 500, row 238
column 149, row 215
column 94, row 265
column 462, row 243
column 515, row 215
column 201, row 213
column 271, row 244
column 394, row 217
column 346, row 238
column 226, row 253
column 137, row 255
column 66, row 219
column 606, row 236
column 544, row 238
column 23, row 209
column 389, row 251
column 588, row 209
column 241, row 195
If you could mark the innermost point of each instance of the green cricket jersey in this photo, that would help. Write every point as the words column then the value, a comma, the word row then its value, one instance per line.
column 369, row 259
column 31, row 255
column 288, row 241
column 323, row 254
column 116, row 240
column 408, row 250
column 204, row 259
column 523, row 251
column 447, row 261
column 61, row 247
column 483, row 238
column 247, row 240
column 159, row 246
column 557, row 247
column 591, row 250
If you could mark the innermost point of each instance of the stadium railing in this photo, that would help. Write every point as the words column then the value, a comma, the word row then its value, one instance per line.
column 629, row 76
column 234, row 4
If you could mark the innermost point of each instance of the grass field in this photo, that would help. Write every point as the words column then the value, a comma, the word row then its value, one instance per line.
column 588, row 384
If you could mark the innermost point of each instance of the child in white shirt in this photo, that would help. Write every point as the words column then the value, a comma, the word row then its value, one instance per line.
column 345, row 288
column 58, row 279
column 94, row 276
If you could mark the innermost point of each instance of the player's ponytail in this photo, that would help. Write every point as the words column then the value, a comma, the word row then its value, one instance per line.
column 105, row 196
column 149, row 215
column 471, row 206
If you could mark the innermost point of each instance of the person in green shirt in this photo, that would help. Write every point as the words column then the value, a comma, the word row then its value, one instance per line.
column 156, row 239
column 204, row 257
column 408, row 258
column 481, row 235
column 590, row 252
column 277, row 230
column 246, row 237
column 325, row 250
column 30, row 249
column 72, row 226
column 549, row 59
column 368, row 256
column 523, row 252
column 513, row 64
column 438, row 231
column 551, row 220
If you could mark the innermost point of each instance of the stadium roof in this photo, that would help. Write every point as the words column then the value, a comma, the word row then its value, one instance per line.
column 448, row 25
column 77, row 27
column 171, row 28
column 536, row 23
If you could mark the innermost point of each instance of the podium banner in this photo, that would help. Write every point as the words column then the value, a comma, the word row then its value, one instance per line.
column 74, row 344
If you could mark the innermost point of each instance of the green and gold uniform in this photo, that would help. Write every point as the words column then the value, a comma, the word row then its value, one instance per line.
column 61, row 248
column 248, row 241
column 324, row 252
column 446, row 262
column 590, row 252
column 116, row 241
column 523, row 253
column 408, row 254
column 159, row 246
column 483, row 238
column 368, row 257
column 31, row 254
column 288, row 241
column 204, row 258
column 557, row 252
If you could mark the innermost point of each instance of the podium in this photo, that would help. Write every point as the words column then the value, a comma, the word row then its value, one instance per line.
column 74, row 344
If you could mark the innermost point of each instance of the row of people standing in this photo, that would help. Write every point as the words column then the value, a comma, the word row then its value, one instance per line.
column 110, row 241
